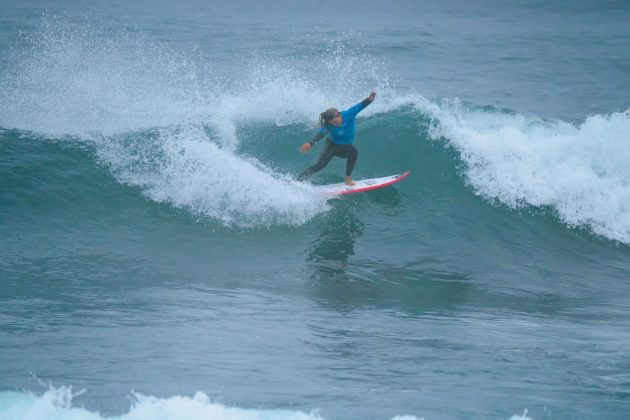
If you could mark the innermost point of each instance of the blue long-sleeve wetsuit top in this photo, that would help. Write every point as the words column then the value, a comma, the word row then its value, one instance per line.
column 344, row 134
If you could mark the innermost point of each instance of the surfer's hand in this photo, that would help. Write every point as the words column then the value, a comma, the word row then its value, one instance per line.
column 305, row 147
column 372, row 96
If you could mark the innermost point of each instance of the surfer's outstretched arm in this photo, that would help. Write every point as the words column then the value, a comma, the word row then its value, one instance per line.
column 369, row 99
column 353, row 111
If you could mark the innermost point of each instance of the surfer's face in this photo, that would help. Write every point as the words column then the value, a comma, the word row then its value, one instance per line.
column 331, row 116
column 336, row 121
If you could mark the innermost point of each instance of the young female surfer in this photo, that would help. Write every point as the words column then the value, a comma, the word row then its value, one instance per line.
column 339, row 127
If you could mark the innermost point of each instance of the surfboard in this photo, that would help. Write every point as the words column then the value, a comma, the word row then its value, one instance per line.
column 362, row 185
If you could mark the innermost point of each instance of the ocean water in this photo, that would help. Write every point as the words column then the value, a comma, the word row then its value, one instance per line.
column 159, row 261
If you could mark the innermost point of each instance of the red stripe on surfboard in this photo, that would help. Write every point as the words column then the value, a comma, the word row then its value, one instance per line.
column 377, row 186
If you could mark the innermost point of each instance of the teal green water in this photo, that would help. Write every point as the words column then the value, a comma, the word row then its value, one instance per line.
column 153, row 241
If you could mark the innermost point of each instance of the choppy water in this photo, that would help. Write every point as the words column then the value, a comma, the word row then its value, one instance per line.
column 157, row 259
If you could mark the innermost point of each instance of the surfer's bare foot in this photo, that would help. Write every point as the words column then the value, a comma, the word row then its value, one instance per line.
column 348, row 181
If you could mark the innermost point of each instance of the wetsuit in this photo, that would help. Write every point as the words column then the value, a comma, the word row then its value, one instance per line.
column 339, row 141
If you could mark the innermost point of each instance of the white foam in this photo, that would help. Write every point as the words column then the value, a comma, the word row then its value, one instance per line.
column 183, row 167
column 580, row 171
column 57, row 403
column 521, row 417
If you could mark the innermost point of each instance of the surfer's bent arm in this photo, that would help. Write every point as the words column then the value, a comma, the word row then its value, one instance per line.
column 307, row 146
column 317, row 137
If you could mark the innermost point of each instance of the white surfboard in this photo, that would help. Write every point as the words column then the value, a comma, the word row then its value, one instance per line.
column 361, row 185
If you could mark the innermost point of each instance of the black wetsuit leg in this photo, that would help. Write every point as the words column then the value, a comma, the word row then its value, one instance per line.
column 331, row 149
column 351, row 153
column 324, row 157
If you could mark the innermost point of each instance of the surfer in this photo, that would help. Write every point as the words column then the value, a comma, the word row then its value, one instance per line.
column 339, row 128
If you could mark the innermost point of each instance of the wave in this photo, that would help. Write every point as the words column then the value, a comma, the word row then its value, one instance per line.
column 57, row 403
column 225, row 147
column 579, row 171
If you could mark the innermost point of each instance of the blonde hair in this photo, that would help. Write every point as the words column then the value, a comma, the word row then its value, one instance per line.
column 326, row 116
